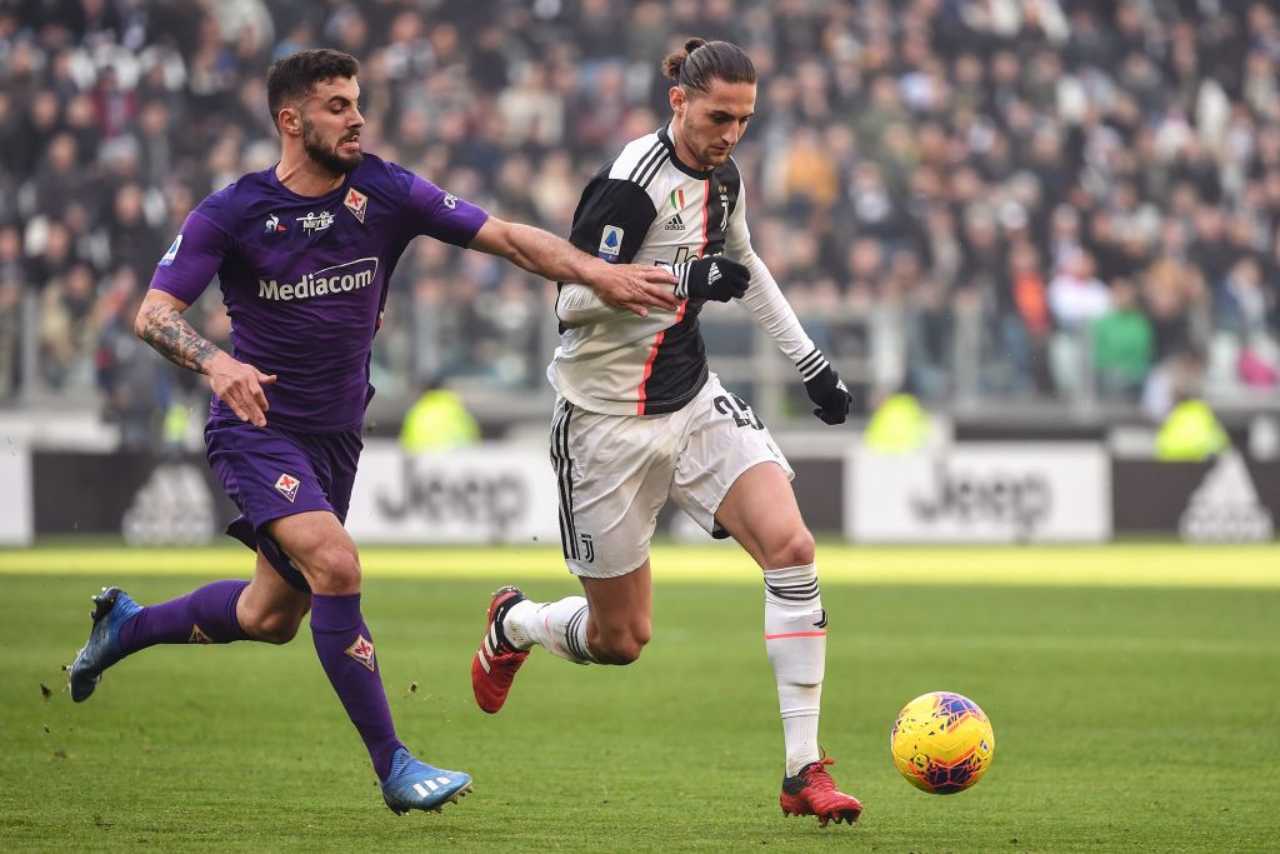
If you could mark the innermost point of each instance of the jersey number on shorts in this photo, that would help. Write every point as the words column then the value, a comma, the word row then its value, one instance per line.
column 737, row 407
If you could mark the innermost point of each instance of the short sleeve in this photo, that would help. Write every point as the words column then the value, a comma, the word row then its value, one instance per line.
column 431, row 211
column 612, row 219
column 193, row 259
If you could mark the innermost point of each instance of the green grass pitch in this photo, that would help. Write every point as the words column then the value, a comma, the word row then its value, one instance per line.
column 1134, row 692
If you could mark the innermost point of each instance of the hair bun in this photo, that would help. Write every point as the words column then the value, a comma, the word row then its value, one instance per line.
column 721, row 61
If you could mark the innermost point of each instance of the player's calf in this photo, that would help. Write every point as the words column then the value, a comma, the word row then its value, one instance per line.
column 275, row 626
column 121, row 627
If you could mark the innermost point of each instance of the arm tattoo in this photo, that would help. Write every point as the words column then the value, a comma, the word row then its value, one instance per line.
column 175, row 339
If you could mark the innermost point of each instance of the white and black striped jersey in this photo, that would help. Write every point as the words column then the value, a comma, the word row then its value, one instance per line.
column 647, row 207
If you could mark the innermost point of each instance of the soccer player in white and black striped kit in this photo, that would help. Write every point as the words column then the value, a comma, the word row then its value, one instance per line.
column 641, row 419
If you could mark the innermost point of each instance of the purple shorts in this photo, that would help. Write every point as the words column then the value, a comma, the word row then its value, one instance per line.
column 270, row 473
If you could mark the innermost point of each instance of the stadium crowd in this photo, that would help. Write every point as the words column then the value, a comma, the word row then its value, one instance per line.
column 1091, row 189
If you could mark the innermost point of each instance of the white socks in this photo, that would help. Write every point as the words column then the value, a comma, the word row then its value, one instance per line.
column 559, row 627
column 795, row 636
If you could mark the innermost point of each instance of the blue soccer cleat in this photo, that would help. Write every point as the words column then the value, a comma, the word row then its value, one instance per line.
column 414, row 785
column 112, row 609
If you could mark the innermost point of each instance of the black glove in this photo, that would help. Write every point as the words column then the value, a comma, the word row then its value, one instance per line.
column 825, row 388
column 715, row 278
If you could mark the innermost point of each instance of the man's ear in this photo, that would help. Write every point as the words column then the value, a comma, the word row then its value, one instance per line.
column 289, row 120
column 677, row 98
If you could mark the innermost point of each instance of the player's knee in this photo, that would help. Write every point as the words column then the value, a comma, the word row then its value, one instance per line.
column 621, row 646
column 620, row 652
column 336, row 570
column 794, row 549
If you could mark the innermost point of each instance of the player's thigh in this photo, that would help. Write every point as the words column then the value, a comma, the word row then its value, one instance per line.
column 760, row 512
column 321, row 548
column 271, row 474
column 725, row 443
column 613, row 474
column 621, row 606
column 270, row 608
column 268, row 472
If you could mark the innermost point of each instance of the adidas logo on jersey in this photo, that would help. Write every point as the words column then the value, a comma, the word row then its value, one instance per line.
column 674, row 224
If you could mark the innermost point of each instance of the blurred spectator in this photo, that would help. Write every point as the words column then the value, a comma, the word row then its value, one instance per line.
column 437, row 421
column 136, row 387
column 1122, row 344
column 68, row 328
column 946, row 159
column 1076, row 296
column 12, row 287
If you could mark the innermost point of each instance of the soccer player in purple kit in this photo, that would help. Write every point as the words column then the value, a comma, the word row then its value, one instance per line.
column 304, row 252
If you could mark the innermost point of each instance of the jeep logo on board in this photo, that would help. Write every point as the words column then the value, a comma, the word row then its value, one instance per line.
column 1022, row 500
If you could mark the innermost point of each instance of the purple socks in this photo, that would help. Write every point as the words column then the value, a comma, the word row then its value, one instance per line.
column 346, row 652
column 342, row 640
column 207, row 615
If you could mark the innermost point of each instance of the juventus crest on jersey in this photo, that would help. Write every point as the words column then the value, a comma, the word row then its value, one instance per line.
column 646, row 207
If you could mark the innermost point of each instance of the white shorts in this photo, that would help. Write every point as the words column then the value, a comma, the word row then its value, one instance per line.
column 617, row 471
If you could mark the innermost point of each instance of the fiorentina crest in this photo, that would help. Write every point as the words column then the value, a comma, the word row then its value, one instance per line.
column 362, row 651
column 356, row 202
column 287, row 485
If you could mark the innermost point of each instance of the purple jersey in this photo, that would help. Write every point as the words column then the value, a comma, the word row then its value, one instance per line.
column 304, row 278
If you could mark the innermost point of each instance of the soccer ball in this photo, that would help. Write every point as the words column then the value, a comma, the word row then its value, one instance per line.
column 942, row 742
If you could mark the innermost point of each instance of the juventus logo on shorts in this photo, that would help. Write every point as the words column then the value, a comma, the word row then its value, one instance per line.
column 588, row 547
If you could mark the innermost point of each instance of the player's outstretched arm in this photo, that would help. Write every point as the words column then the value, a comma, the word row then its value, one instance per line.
column 634, row 287
column 160, row 323
column 774, row 314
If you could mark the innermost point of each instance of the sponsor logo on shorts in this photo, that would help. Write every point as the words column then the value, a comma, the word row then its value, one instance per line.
column 287, row 485
column 314, row 222
column 344, row 278
column 362, row 651
column 356, row 202
column 198, row 635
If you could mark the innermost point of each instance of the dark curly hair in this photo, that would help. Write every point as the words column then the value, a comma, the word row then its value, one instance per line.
column 702, row 61
column 294, row 76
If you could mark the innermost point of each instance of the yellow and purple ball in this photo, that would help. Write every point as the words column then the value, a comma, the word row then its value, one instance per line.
column 942, row 742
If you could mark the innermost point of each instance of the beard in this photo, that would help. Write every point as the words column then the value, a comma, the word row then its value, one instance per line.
column 707, row 158
column 328, row 157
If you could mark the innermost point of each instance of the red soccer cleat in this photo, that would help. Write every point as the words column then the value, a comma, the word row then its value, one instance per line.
column 496, row 661
column 813, row 792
